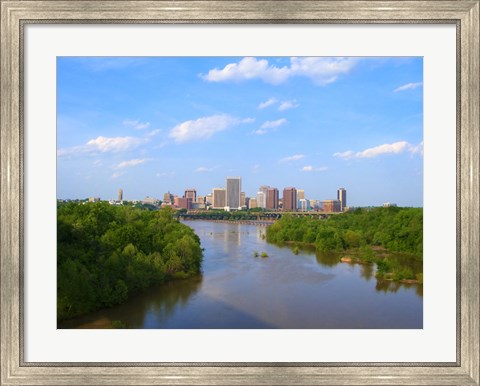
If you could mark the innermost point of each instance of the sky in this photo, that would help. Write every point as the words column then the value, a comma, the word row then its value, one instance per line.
column 149, row 125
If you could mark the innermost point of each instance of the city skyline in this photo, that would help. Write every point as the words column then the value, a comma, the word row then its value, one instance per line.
column 152, row 125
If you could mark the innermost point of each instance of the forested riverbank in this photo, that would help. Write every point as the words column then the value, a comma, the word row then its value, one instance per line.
column 390, row 237
column 106, row 253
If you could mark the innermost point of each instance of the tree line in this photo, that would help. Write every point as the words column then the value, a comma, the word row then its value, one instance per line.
column 106, row 253
column 395, row 229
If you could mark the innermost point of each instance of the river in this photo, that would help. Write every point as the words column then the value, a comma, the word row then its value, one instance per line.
column 283, row 290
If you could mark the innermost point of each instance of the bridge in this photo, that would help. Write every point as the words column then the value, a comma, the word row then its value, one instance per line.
column 249, row 217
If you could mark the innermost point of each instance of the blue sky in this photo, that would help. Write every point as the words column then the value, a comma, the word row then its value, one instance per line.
column 151, row 125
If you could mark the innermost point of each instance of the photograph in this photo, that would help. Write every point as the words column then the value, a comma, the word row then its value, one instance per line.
column 226, row 192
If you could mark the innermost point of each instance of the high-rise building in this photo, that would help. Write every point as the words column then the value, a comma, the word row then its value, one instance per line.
column 300, row 194
column 234, row 189
column 252, row 203
column 272, row 199
column 260, row 199
column 263, row 189
column 168, row 198
column 303, row 205
column 191, row 193
column 219, row 198
column 342, row 197
column 209, row 199
column 200, row 200
column 120, row 195
column 242, row 199
column 330, row 206
column 289, row 199
column 183, row 202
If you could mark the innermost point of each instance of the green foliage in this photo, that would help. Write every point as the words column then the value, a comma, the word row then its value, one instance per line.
column 264, row 254
column 395, row 229
column 105, row 253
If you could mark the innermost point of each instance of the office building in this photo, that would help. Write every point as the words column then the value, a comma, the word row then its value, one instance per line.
column 289, row 199
column 242, row 199
column 271, row 202
column 252, row 203
column 120, row 195
column 303, row 205
column 330, row 206
column 192, row 194
column 234, row 189
column 219, row 198
column 168, row 198
column 263, row 189
column 342, row 197
column 300, row 194
column 183, row 202
column 260, row 199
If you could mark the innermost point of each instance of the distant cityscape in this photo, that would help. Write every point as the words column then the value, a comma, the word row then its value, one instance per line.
column 231, row 198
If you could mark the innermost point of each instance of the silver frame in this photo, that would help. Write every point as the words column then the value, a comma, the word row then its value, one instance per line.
column 14, row 16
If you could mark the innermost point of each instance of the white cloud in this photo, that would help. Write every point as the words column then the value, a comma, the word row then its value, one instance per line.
column 137, row 124
column 320, row 70
column 256, row 168
column 104, row 145
column 392, row 148
column 267, row 103
column 273, row 124
column 288, row 105
column 130, row 163
column 203, row 169
column 408, row 86
column 117, row 174
column 295, row 157
column 165, row 174
column 114, row 144
column 310, row 168
column 260, row 132
column 416, row 149
column 204, row 128
column 154, row 132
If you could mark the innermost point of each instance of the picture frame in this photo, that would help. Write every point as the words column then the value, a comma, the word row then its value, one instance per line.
column 16, row 14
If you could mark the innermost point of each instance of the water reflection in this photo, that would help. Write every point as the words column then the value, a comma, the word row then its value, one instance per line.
column 291, row 288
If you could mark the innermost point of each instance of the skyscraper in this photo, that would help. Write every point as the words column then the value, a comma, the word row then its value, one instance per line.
column 234, row 188
column 263, row 189
column 243, row 199
column 342, row 197
column 300, row 194
column 260, row 199
column 272, row 199
column 219, row 198
column 289, row 199
column 191, row 193
column 120, row 195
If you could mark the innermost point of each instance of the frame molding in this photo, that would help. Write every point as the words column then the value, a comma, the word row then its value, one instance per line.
column 15, row 14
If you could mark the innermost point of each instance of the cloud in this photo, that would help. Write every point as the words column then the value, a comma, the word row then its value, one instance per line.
column 288, row 105
column 267, row 103
column 260, row 131
column 320, row 70
column 117, row 174
column 204, row 128
column 130, row 163
column 393, row 148
column 273, row 124
column 114, row 144
column 416, row 149
column 203, row 169
column 256, row 168
column 408, row 86
column 310, row 168
column 103, row 145
column 137, row 124
column 165, row 174
column 295, row 157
